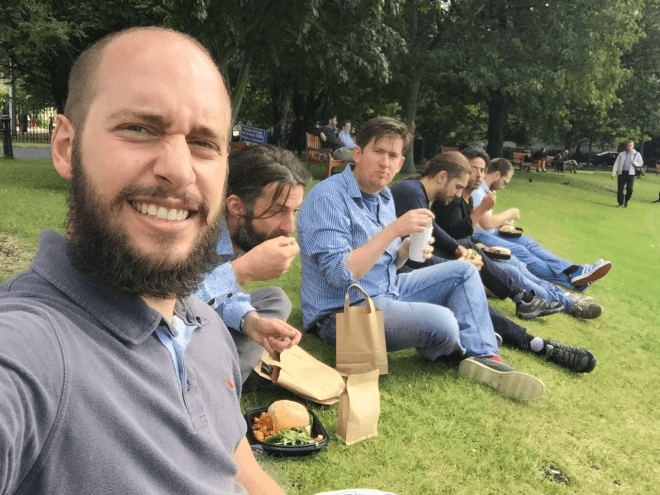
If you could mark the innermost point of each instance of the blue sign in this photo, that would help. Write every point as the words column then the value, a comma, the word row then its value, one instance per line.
column 254, row 135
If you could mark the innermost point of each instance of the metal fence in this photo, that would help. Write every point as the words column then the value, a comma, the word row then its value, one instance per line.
column 33, row 125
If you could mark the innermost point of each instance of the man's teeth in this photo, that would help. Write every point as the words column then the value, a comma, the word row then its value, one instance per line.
column 160, row 211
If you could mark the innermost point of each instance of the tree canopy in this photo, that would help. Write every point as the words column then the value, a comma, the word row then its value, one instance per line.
column 459, row 70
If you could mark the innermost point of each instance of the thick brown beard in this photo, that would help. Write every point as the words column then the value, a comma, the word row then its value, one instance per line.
column 106, row 254
column 248, row 237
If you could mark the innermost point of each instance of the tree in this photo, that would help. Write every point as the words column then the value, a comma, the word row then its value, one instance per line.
column 522, row 53
column 300, row 50
column 638, row 112
column 43, row 38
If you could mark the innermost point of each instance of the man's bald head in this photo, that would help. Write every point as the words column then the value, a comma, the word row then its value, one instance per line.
column 83, row 84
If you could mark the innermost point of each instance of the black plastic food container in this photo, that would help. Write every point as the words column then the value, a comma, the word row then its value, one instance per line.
column 285, row 450
column 496, row 256
column 516, row 233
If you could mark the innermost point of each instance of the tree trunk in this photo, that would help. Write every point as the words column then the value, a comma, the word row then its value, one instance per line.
column 239, row 90
column 497, row 112
column 409, row 107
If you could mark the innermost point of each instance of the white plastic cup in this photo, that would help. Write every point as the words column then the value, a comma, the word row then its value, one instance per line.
column 418, row 243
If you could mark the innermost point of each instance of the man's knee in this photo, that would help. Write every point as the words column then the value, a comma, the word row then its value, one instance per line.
column 271, row 302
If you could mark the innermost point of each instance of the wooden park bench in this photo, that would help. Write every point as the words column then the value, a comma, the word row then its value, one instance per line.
column 519, row 158
column 444, row 149
column 237, row 144
column 315, row 154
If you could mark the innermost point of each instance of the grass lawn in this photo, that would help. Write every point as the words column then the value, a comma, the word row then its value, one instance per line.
column 440, row 434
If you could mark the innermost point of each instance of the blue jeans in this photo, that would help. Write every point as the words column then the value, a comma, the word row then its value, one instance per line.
column 539, row 261
column 418, row 318
column 519, row 273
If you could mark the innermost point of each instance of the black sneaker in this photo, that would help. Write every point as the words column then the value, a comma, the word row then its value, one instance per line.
column 575, row 359
column 537, row 307
column 502, row 377
column 585, row 309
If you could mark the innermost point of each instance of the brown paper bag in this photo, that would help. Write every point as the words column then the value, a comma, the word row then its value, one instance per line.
column 299, row 372
column 360, row 344
column 359, row 408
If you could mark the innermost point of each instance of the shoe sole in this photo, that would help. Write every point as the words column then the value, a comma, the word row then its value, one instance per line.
column 593, row 276
column 511, row 384
column 539, row 312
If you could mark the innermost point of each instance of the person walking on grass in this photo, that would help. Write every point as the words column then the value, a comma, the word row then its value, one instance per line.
column 624, row 169
column 348, row 233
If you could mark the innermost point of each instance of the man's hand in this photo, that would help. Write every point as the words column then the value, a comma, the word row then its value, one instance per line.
column 266, row 261
column 411, row 221
column 428, row 250
column 489, row 200
column 460, row 252
column 512, row 214
column 478, row 262
column 272, row 334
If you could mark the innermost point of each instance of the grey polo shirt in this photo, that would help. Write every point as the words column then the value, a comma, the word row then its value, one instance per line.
column 90, row 399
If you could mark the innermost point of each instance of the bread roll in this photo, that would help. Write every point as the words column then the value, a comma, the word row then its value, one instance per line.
column 288, row 414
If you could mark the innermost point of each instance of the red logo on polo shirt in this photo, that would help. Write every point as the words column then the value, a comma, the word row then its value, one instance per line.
column 230, row 384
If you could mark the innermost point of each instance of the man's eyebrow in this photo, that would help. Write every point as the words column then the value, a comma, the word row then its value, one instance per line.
column 151, row 118
column 162, row 123
column 206, row 132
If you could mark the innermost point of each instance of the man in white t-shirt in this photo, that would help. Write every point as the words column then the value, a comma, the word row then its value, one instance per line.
column 624, row 167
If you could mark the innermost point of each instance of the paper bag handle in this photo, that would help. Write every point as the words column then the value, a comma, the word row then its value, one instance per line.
column 367, row 299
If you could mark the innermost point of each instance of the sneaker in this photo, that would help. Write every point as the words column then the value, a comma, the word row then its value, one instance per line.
column 591, row 273
column 537, row 307
column 585, row 309
column 502, row 377
column 579, row 297
column 584, row 287
column 575, row 359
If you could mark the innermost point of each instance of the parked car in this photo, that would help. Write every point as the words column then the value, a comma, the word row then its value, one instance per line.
column 604, row 159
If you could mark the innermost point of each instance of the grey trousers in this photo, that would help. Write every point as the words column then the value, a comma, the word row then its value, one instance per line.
column 270, row 302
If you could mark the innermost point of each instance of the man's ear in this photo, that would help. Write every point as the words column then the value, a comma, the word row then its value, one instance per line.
column 61, row 143
column 441, row 178
column 357, row 154
column 235, row 206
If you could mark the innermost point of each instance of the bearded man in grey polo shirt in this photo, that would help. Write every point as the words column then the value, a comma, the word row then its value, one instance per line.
column 113, row 379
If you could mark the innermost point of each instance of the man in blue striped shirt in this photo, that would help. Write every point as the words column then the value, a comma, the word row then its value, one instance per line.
column 348, row 232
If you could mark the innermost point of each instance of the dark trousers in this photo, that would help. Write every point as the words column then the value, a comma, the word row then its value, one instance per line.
column 492, row 276
column 512, row 334
column 625, row 180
